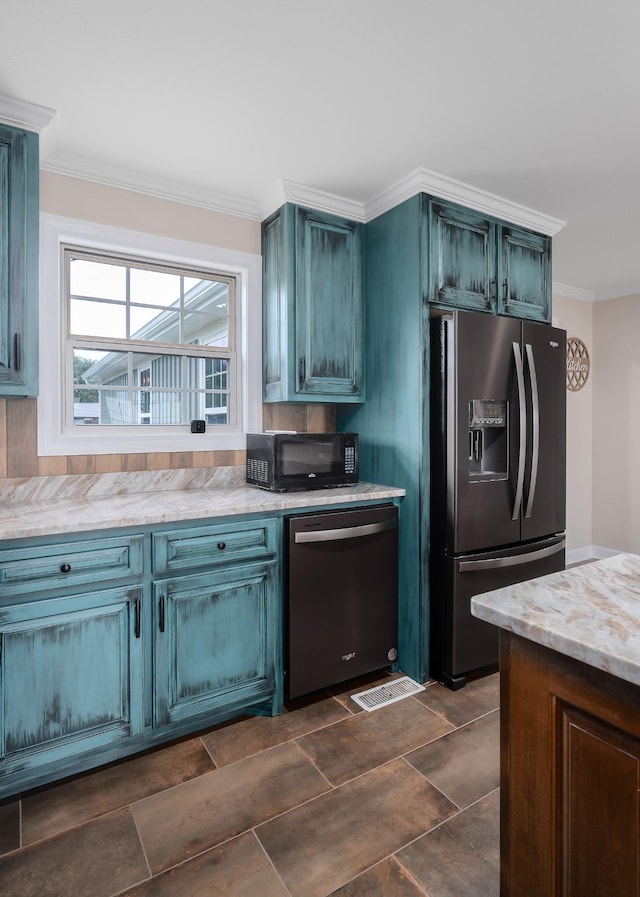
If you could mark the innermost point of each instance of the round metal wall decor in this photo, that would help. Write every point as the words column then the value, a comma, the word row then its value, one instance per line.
column 578, row 364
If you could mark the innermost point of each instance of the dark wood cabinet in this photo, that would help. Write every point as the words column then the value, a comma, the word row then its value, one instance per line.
column 570, row 767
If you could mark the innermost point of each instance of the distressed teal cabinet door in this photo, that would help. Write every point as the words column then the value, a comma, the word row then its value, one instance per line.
column 462, row 257
column 70, row 676
column 524, row 274
column 216, row 641
column 19, row 192
column 328, row 305
column 312, row 307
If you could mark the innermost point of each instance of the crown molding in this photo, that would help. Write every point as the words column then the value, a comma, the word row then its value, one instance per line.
column 620, row 293
column 73, row 166
column 422, row 180
column 28, row 116
column 290, row 191
column 563, row 289
column 419, row 181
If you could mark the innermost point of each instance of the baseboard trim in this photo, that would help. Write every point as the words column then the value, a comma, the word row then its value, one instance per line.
column 589, row 553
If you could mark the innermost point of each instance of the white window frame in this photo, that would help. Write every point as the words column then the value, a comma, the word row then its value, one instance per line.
column 56, row 434
column 142, row 415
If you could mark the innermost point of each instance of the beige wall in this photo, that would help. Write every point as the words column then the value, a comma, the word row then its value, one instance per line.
column 74, row 198
column 616, row 430
column 576, row 317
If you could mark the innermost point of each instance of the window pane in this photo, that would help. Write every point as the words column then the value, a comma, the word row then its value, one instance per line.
column 97, row 319
column 100, row 368
column 116, row 407
column 83, row 361
column 210, row 296
column 97, row 279
column 151, row 324
column 163, row 370
column 205, row 330
column 86, row 408
column 165, row 407
column 154, row 287
column 102, row 396
column 218, row 415
column 207, row 373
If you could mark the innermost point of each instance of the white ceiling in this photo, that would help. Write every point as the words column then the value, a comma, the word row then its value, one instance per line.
column 219, row 101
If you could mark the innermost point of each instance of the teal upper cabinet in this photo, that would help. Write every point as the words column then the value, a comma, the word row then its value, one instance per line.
column 462, row 252
column 19, row 188
column 524, row 266
column 480, row 263
column 312, row 307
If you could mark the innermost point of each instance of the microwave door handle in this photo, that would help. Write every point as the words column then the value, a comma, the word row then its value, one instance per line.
column 347, row 532
column 522, row 429
column 535, row 430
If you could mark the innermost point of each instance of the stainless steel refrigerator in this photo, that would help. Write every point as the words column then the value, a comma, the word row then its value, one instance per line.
column 498, row 474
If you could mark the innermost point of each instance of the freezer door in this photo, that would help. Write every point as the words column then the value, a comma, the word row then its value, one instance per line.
column 462, row 644
column 543, row 504
column 481, row 456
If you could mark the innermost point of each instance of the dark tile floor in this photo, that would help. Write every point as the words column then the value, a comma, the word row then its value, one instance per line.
column 325, row 799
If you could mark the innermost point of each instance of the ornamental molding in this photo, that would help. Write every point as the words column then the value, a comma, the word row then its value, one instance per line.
column 422, row 180
column 28, row 116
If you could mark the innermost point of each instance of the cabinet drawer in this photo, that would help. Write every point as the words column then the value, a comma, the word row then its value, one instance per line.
column 61, row 565
column 209, row 545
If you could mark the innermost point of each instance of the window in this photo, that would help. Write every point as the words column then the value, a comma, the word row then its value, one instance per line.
column 153, row 333
column 131, row 332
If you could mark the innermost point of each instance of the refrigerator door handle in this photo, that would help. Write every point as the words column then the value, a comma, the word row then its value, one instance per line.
column 512, row 560
column 535, row 430
column 523, row 431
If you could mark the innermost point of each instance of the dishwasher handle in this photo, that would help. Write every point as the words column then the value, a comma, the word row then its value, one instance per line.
column 347, row 532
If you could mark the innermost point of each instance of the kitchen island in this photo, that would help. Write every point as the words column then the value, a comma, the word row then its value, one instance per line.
column 570, row 730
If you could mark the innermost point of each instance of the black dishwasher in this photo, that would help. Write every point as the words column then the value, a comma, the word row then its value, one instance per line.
column 341, row 596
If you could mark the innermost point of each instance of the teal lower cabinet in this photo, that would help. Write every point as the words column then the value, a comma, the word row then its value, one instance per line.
column 216, row 640
column 70, row 677
column 187, row 633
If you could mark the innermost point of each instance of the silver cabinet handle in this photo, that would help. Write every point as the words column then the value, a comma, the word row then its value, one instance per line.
column 523, row 431
column 348, row 532
column 514, row 560
column 535, row 430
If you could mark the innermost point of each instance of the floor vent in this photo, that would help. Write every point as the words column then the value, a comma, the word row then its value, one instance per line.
column 388, row 693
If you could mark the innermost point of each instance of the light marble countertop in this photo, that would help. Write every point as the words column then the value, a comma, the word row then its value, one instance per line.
column 590, row 613
column 43, row 506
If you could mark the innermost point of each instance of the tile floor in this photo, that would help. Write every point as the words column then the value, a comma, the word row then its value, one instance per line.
column 323, row 800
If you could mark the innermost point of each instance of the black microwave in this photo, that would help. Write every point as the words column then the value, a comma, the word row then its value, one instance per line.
column 284, row 462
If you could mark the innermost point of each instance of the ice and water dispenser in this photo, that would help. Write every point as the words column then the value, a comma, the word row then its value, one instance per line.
column 488, row 443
